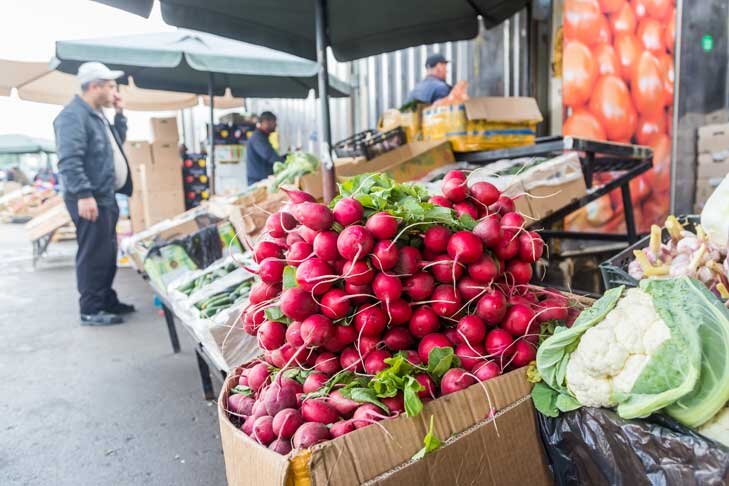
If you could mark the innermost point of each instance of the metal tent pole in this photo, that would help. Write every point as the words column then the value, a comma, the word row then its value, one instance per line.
column 211, row 131
column 327, row 166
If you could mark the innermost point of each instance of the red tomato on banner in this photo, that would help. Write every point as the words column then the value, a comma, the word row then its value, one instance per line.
column 612, row 106
column 624, row 21
column 658, row 9
column 578, row 74
column 640, row 8
column 650, row 128
column 647, row 86
column 610, row 6
column 606, row 60
column 604, row 32
column 669, row 35
column 628, row 50
column 665, row 62
column 583, row 124
column 650, row 34
column 582, row 21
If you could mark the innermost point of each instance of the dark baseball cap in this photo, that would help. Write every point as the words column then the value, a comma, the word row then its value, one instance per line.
column 435, row 58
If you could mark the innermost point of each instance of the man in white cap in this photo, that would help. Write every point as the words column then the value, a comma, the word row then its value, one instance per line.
column 94, row 168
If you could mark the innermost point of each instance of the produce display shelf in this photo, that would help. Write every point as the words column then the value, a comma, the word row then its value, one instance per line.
column 595, row 157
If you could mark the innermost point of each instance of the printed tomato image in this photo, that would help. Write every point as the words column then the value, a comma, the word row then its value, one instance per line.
column 583, row 124
column 665, row 62
column 578, row 75
column 669, row 35
column 624, row 21
column 606, row 60
column 612, row 106
column 640, row 8
column 628, row 50
column 582, row 19
column 658, row 9
column 650, row 34
column 610, row 6
column 647, row 85
column 650, row 128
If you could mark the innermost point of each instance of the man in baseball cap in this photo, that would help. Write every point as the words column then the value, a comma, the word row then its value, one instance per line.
column 93, row 169
column 434, row 86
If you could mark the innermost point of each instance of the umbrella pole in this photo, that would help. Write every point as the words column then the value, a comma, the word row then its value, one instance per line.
column 328, row 176
column 211, row 131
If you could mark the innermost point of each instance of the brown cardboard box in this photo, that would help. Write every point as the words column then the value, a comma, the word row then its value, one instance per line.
column 704, row 189
column 164, row 173
column 52, row 219
column 473, row 450
column 138, row 153
column 136, row 211
column 162, row 205
column 713, row 138
column 164, row 129
column 712, row 165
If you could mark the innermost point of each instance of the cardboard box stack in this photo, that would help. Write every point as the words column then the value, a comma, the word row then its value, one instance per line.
column 713, row 160
column 157, row 176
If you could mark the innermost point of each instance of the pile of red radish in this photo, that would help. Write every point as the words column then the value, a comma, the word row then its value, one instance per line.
column 353, row 295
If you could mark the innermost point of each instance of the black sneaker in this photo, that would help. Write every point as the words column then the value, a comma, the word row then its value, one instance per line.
column 121, row 309
column 100, row 319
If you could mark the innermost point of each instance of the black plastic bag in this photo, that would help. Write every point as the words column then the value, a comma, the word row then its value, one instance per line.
column 204, row 246
column 594, row 446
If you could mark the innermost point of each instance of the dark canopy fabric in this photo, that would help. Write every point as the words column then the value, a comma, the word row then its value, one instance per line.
column 182, row 60
column 356, row 29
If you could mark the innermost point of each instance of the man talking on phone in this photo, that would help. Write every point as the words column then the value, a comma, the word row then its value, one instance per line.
column 94, row 168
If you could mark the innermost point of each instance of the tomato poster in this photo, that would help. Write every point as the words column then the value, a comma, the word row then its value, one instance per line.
column 617, row 85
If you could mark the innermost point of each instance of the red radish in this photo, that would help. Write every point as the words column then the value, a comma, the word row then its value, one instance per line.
column 446, row 301
column 465, row 207
column 271, row 335
column 436, row 238
column 498, row 343
column 279, row 395
column 309, row 434
column 395, row 405
column 465, row 247
column 524, row 353
column 455, row 379
column 280, row 223
column 343, row 337
column 314, row 215
column 317, row 410
column 344, row 406
column 441, row 201
column 452, row 336
column 293, row 335
column 486, row 371
column 297, row 196
column 408, row 261
column 341, row 428
column 307, row 234
column 357, row 272
column 247, row 426
column 268, row 249
column 531, row 247
column 350, row 359
column 419, row 286
column 384, row 255
column 280, row 446
column 512, row 221
column 469, row 288
column 398, row 312
column 315, row 381
column 423, row 322
column 521, row 272
column 262, row 291
column 316, row 330
column 489, row 232
column 243, row 380
column 382, row 225
column 519, row 299
column 398, row 339
column 502, row 206
column 552, row 309
column 435, row 340
column 270, row 270
column 386, row 287
column 370, row 321
column 455, row 189
column 366, row 344
column 348, row 211
column 259, row 410
column 508, row 246
column 519, row 321
column 413, row 357
column 366, row 414
column 258, row 376
column 286, row 422
column 471, row 329
column 427, row 383
column 445, row 269
column 355, row 242
column 240, row 404
column 314, row 275
column 335, row 304
column 470, row 355
column 491, row 308
column 275, row 357
column 485, row 193
column 293, row 237
column 485, row 270
column 360, row 290
column 454, row 174
column 325, row 245
column 327, row 363
column 298, row 304
column 298, row 252
column 374, row 362
column 263, row 431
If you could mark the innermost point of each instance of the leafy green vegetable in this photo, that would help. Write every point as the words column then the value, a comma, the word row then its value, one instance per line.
column 289, row 277
column 242, row 390
column 274, row 314
column 297, row 164
column 430, row 441
column 398, row 377
column 441, row 360
column 413, row 403
column 545, row 400
column 297, row 374
column 364, row 395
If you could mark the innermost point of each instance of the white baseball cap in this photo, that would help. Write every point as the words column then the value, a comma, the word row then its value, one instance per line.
column 93, row 71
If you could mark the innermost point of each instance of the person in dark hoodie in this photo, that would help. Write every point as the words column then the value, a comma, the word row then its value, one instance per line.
column 93, row 168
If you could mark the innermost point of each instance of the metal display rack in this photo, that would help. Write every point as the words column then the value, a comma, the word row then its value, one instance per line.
column 595, row 157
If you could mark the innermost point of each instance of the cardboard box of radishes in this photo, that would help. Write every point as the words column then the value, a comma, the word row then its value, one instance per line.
column 391, row 307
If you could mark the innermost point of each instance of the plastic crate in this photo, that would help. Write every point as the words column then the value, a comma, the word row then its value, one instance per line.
column 353, row 146
column 615, row 270
column 370, row 143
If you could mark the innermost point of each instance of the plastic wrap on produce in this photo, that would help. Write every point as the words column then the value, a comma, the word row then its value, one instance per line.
column 594, row 446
